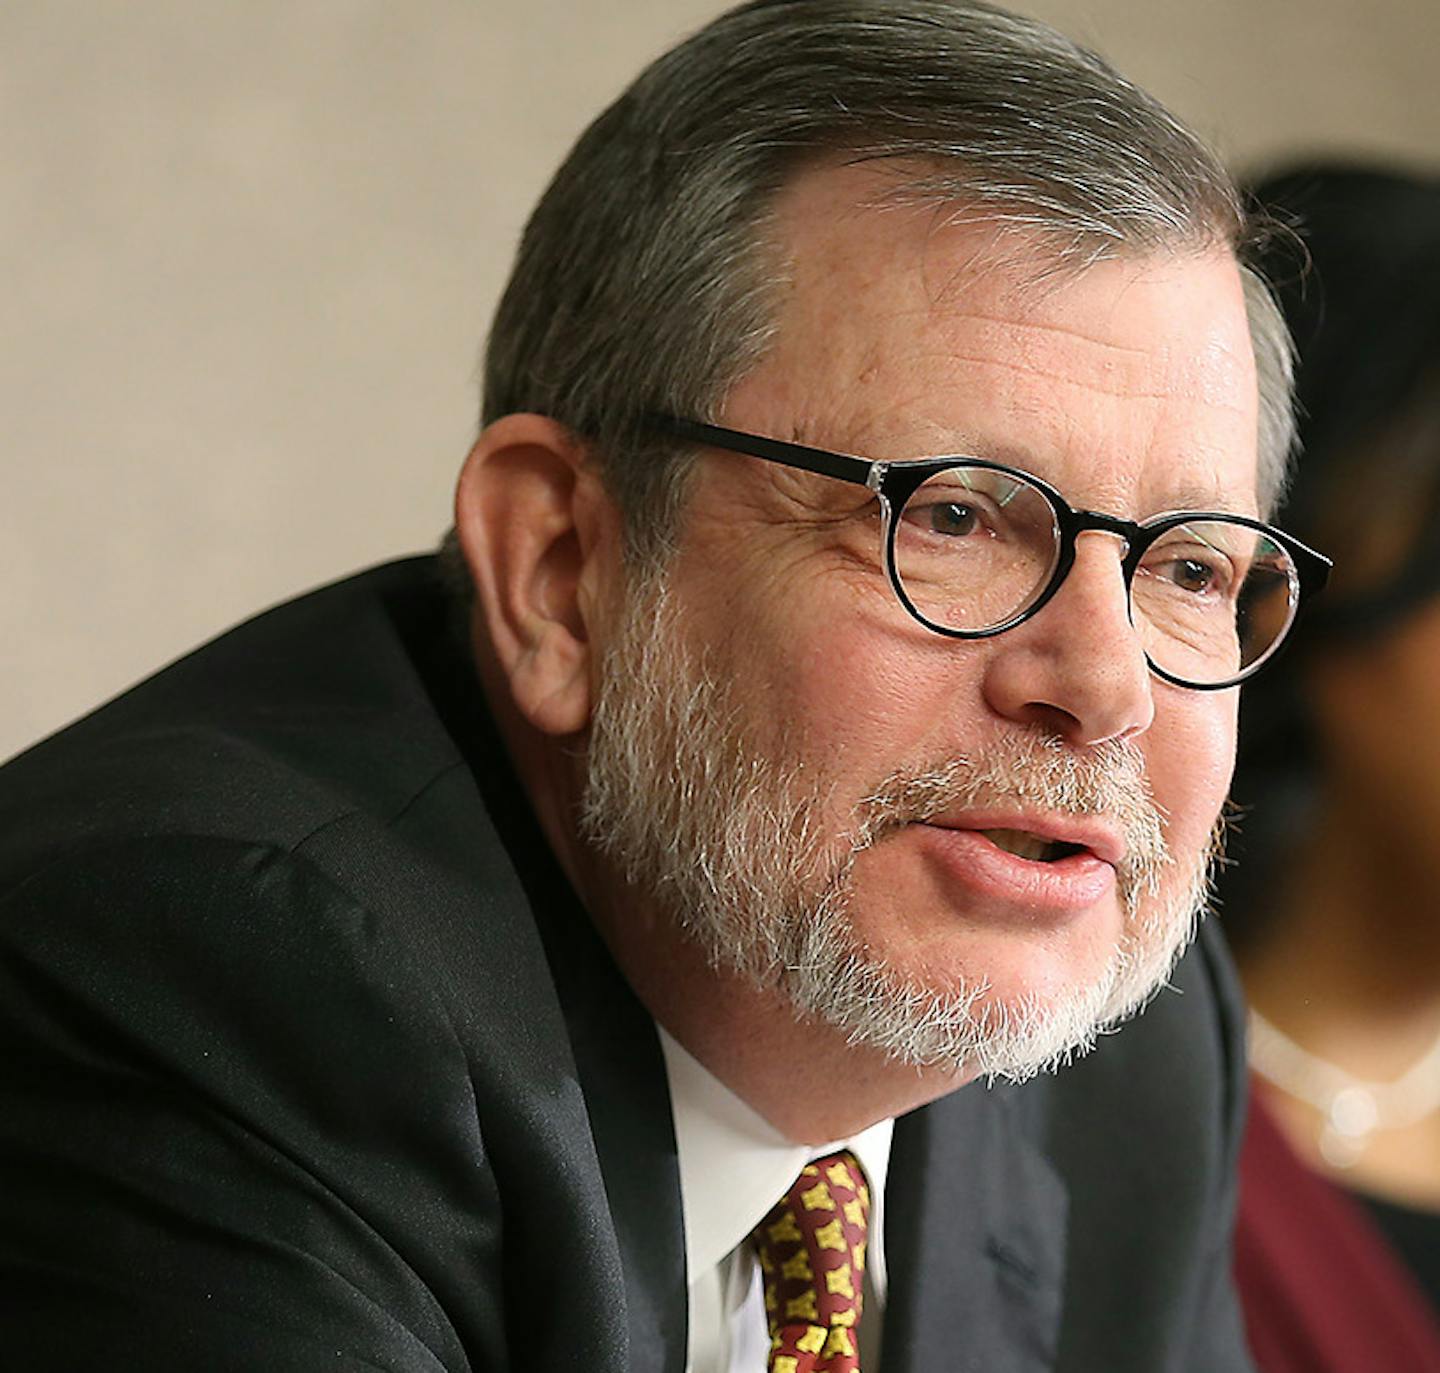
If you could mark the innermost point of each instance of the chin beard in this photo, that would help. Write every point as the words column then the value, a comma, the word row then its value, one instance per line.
column 724, row 836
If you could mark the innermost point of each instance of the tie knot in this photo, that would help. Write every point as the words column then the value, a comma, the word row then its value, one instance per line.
column 812, row 1253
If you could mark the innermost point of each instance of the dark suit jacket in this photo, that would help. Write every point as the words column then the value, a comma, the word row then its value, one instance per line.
column 309, row 1059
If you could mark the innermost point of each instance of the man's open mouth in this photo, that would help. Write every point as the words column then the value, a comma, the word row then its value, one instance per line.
column 1023, row 844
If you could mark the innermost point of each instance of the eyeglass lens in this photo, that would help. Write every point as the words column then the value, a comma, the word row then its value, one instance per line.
column 975, row 548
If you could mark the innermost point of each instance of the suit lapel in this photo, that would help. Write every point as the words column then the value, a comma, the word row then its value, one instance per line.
column 974, row 1239
column 622, row 1075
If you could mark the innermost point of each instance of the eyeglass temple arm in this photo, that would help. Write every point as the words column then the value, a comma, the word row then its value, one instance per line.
column 860, row 471
column 1314, row 566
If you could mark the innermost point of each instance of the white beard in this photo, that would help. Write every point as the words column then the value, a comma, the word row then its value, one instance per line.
column 723, row 837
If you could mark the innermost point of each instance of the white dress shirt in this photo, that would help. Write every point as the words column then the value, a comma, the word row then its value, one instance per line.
column 734, row 1166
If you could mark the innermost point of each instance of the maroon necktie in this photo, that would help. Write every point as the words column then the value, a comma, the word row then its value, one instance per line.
column 812, row 1254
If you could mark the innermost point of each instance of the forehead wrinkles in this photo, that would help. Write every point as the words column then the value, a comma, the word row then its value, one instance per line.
column 1117, row 328
column 876, row 297
column 1067, row 357
column 1113, row 328
column 902, row 378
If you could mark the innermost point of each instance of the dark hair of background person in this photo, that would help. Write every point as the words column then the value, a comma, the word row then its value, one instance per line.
column 1358, row 280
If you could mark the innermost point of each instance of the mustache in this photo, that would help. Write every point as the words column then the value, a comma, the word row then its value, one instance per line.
column 1035, row 772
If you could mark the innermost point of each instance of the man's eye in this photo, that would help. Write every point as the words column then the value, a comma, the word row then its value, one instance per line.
column 952, row 517
column 1193, row 575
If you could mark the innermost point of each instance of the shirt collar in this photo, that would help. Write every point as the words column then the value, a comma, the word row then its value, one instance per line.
column 735, row 1165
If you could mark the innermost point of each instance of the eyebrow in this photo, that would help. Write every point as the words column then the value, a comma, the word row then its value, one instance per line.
column 1187, row 495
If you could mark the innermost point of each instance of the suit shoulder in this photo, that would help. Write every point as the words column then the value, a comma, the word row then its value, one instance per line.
column 316, row 708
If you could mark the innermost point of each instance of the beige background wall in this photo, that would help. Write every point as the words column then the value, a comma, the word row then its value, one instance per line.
column 248, row 249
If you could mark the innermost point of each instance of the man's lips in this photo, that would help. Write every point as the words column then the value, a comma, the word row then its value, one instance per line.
column 1078, row 874
column 1073, row 832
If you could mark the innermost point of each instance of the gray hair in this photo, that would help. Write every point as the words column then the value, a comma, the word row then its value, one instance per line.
column 646, row 281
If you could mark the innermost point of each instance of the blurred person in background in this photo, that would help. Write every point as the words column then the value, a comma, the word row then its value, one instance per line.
column 1333, row 904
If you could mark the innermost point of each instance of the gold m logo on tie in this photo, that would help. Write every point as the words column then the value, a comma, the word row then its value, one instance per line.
column 813, row 1340
column 838, row 1281
column 802, row 1308
column 818, row 1198
column 784, row 1230
column 797, row 1267
column 831, row 1236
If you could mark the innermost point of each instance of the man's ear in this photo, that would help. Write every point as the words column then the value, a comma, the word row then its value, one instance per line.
column 541, row 538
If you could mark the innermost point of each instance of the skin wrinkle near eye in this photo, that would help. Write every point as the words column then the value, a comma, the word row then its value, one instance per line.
column 855, row 555
column 828, row 501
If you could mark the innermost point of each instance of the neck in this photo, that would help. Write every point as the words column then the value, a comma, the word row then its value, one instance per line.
column 1350, row 966
column 743, row 1034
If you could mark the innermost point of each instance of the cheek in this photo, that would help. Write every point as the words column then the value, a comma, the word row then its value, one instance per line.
column 1190, row 755
column 876, row 698
column 845, row 683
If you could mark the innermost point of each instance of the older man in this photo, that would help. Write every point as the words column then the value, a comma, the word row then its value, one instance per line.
column 857, row 563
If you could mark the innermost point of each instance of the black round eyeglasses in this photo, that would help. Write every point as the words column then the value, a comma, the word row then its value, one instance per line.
column 973, row 548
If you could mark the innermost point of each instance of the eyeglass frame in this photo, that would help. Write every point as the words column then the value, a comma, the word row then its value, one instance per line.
column 894, row 482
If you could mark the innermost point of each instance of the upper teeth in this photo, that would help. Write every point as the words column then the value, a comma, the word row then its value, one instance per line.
column 1021, row 843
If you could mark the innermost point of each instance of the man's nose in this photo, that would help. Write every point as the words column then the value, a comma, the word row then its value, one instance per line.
column 1077, row 669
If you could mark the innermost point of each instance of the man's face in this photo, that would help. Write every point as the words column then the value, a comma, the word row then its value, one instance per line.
column 956, row 851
